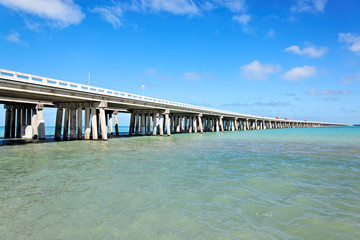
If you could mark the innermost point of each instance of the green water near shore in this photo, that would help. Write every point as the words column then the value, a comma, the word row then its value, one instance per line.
column 264, row 184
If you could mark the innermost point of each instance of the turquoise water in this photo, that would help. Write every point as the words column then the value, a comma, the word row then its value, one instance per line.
column 264, row 184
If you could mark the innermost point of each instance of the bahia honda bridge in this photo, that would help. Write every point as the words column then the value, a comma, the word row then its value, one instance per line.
column 25, row 96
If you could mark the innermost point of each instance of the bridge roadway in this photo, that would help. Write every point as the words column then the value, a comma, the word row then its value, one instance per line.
column 26, row 95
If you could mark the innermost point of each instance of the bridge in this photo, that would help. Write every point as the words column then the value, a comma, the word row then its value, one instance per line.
column 25, row 96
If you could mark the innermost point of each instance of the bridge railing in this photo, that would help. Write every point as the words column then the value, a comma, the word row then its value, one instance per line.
column 86, row 88
column 23, row 77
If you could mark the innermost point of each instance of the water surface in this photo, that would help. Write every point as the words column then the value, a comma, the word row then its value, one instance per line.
column 264, row 184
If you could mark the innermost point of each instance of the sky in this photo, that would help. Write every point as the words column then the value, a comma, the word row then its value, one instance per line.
column 298, row 59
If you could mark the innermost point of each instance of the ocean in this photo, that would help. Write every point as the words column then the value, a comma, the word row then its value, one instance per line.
column 261, row 184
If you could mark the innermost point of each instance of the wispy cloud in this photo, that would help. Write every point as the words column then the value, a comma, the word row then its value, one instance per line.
column 151, row 71
column 351, row 78
column 329, row 93
column 311, row 50
column 299, row 72
column 192, row 76
column 111, row 14
column 258, row 71
column 14, row 37
column 259, row 103
column 312, row 6
column 242, row 19
column 271, row 33
column 60, row 13
column 352, row 40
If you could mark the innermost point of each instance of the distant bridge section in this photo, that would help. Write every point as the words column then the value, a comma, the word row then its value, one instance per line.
column 25, row 97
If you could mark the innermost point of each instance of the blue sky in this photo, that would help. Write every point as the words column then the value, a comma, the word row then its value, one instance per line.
column 297, row 58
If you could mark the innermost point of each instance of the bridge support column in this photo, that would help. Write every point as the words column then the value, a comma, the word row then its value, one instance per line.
column 28, row 128
column 132, row 123
column 94, row 124
column 143, row 123
column 34, row 123
column 58, row 123
column 167, row 121
column 73, row 122
column 66, row 123
column 79, row 122
column 148, row 124
column 7, row 123
column 221, row 124
column 111, row 130
column 87, row 123
column 103, row 125
column 195, row 124
column 154, row 123
column 161, row 124
column 18, row 122
column 190, row 124
column 200, row 124
column 233, row 125
column 137, row 124
column 12, row 123
column 116, row 125
column 41, row 123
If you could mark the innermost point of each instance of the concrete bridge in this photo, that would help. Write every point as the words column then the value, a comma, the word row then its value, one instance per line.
column 25, row 96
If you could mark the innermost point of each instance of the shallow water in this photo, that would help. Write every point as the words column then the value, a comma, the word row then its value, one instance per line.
column 264, row 184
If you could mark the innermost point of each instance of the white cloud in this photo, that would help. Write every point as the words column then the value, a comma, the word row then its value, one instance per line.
column 312, row 6
column 61, row 13
column 113, row 14
column 110, row 14
column 232, row 5
column 177, row 7
column 300, row 72
column 192, row 76
column 311, row 50
column 258, row 71
column 352, row 40
column 243, row 19
column 13, row 36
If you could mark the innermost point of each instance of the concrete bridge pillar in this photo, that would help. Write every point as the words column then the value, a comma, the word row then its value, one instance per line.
column 154, row 124
column 190, row 124
column 161, row 124
column 116, row 125
column 200, row 124
column 41, row 123
column 167, row 121
column 143, row 123
column 73, row 122
column 132, row 123
column 87, row 123
column 148, row 124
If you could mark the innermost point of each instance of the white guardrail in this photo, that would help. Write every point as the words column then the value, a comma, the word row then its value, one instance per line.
column 27, row 78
